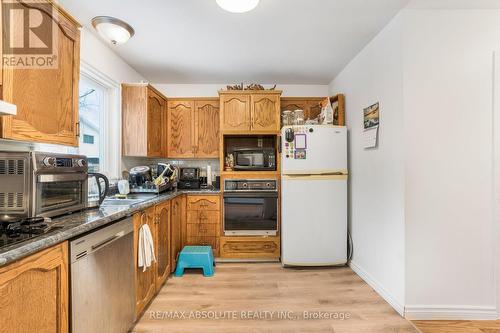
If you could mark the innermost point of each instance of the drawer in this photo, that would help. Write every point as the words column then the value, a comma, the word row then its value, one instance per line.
column 202, row 229
column 205, row 241
column 205, row 217
column 203, row 202
column 250, row 247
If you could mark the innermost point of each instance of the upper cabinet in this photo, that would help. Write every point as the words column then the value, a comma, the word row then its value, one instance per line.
column 181, row 141
column 250, row 112
column 46, row 94
column 143, row 116
column 207, row 128
column 235, row 112
column 265, row 113
column 193, row 128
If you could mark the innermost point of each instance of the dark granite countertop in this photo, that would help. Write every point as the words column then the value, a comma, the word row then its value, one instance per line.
column 73, row 225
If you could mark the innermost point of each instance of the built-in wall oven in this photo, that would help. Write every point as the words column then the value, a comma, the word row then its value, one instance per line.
column 250, row 207
column 41, row 184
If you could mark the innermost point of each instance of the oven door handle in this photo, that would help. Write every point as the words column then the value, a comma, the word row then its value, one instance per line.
column 61, row 177
column 251, row 194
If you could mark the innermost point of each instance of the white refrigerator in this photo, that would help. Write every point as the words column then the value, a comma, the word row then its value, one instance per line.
column 314, row 195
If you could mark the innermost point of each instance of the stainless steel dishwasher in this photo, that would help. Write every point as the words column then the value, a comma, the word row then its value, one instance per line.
column 102, row 280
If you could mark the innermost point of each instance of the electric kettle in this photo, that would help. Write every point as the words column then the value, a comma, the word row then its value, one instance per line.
column 97, row 193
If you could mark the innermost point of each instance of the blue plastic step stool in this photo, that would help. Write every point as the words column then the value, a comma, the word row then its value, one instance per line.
column 196, row 257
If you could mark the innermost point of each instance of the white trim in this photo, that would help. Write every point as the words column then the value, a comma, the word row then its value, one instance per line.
column 496, row 174
column 377, row 286
column 110, row 135
column 450, row 312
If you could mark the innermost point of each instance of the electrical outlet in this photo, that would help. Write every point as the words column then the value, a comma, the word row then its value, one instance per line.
column 259, row 142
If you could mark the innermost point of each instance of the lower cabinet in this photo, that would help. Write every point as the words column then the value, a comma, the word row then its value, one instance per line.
column 145, row 280
column 178, row 217
column 34, row 292
column 250, row 247
column 162, row 243
column 203, row 221
column 164, row 221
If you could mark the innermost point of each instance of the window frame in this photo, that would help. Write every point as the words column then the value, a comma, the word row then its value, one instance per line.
column 110, row 136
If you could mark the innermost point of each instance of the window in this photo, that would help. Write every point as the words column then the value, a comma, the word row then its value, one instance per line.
column 92, row 107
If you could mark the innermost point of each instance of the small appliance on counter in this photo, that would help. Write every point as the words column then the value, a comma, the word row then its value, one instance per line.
column 38, row 184
column 189, row 179
column 97, row 193
column 141, row 179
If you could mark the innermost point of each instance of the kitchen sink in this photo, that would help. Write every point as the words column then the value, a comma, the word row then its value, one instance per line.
column 130, row 200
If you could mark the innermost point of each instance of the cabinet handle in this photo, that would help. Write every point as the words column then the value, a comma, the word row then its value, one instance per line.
column 78, row 129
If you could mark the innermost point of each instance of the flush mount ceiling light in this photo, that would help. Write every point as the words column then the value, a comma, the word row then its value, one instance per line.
column 238, row 6
column 113, row 29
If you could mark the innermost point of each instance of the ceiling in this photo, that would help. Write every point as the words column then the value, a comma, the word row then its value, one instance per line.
column 281, row 41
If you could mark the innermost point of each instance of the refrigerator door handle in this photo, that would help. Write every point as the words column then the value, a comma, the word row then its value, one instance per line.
column 316, row 177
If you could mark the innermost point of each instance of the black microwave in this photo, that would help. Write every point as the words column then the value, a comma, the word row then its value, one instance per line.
column 257, row 159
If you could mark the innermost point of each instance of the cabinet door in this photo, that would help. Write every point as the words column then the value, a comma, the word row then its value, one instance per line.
column 156, row 107
column 265, row 113
column 145, row 280
column 162, row 245
column 46, row 99
column 178, row 215
column 181, row 143
column 207, row 125
column 235, row 113
column 34, row 293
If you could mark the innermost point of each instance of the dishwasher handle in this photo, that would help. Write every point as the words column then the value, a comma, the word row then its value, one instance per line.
column 93, row 242
column 107, row 241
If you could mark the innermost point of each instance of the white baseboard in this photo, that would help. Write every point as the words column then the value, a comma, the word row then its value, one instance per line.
column 417, row 312
column 378, row 288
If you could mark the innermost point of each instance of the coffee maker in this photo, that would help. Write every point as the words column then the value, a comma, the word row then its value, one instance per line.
column 189, row 179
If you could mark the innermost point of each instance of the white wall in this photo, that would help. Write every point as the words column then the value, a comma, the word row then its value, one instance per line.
column 94, row 52
column 211, row 90
column 435, row 86
column 377, row 175
column 448, row 71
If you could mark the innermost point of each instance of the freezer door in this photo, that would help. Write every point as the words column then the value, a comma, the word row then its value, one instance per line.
column 315, row 149
column 314, row 221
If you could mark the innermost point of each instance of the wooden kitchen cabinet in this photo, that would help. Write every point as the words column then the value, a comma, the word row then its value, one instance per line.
column 46, row 98
column 180, row 124
column 203, row 221
column 207, row 128
column 250, row 112
column 178, row 217
column 250, row 247
column 235, row 113
column 143, row 117
column 145, row 286
column 193, row 126
column 265, row 113
column 34, row 292
column 162, row 243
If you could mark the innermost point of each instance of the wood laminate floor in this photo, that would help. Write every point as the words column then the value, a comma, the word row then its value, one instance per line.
column 462, row 326
column 264, row 297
